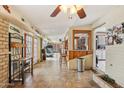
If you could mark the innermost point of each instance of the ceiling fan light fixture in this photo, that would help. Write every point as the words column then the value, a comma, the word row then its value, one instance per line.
column 78, row 7
column 70, row 10
column 65, row 8
column 73, row 10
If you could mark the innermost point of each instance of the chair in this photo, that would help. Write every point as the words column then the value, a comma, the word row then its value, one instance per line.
column 63, row 59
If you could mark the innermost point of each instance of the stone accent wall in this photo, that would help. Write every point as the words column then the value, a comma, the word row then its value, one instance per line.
column 4, row 27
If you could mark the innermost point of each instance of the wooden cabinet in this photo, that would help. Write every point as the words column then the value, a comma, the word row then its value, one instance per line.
column 75, row 54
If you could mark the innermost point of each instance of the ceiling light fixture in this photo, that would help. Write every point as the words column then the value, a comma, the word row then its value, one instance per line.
column 70, row 9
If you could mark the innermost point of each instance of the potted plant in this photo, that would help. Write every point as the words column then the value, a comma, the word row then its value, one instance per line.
column 104, row 81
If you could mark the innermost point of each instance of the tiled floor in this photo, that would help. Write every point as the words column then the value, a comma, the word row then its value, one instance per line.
column 49, row 75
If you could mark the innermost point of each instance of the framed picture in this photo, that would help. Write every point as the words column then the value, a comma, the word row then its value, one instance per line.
column 110, row 40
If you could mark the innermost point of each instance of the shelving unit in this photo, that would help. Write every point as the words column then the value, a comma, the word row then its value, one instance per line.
column 18, row 65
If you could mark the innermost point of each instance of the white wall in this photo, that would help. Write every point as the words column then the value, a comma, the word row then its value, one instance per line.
column 115, row 63
column 115, row 16
column 115, row 54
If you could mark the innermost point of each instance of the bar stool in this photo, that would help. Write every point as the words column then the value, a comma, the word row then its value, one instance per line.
column 63, row 59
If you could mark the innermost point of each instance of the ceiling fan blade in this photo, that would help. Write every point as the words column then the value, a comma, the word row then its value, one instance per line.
column 6, row 7
column 56, row 11
column 81, row 13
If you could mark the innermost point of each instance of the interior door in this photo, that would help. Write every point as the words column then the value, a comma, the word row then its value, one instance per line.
column 100, row 50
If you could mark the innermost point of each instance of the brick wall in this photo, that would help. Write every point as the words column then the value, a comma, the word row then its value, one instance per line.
column 3, row 52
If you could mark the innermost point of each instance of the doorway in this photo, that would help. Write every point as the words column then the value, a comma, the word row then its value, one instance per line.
column 100, row 36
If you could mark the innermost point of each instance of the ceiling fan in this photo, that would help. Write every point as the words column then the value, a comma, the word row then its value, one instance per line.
column 70, row 9
column 6, row 7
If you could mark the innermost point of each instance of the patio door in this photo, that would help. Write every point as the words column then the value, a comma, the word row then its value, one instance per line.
column 35, row 50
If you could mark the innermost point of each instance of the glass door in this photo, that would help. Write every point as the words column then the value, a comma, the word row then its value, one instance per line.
column 28, row 46
column 35, row 50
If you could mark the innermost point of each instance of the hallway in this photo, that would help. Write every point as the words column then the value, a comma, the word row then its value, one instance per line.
column 33, row 36
column 49, row 75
